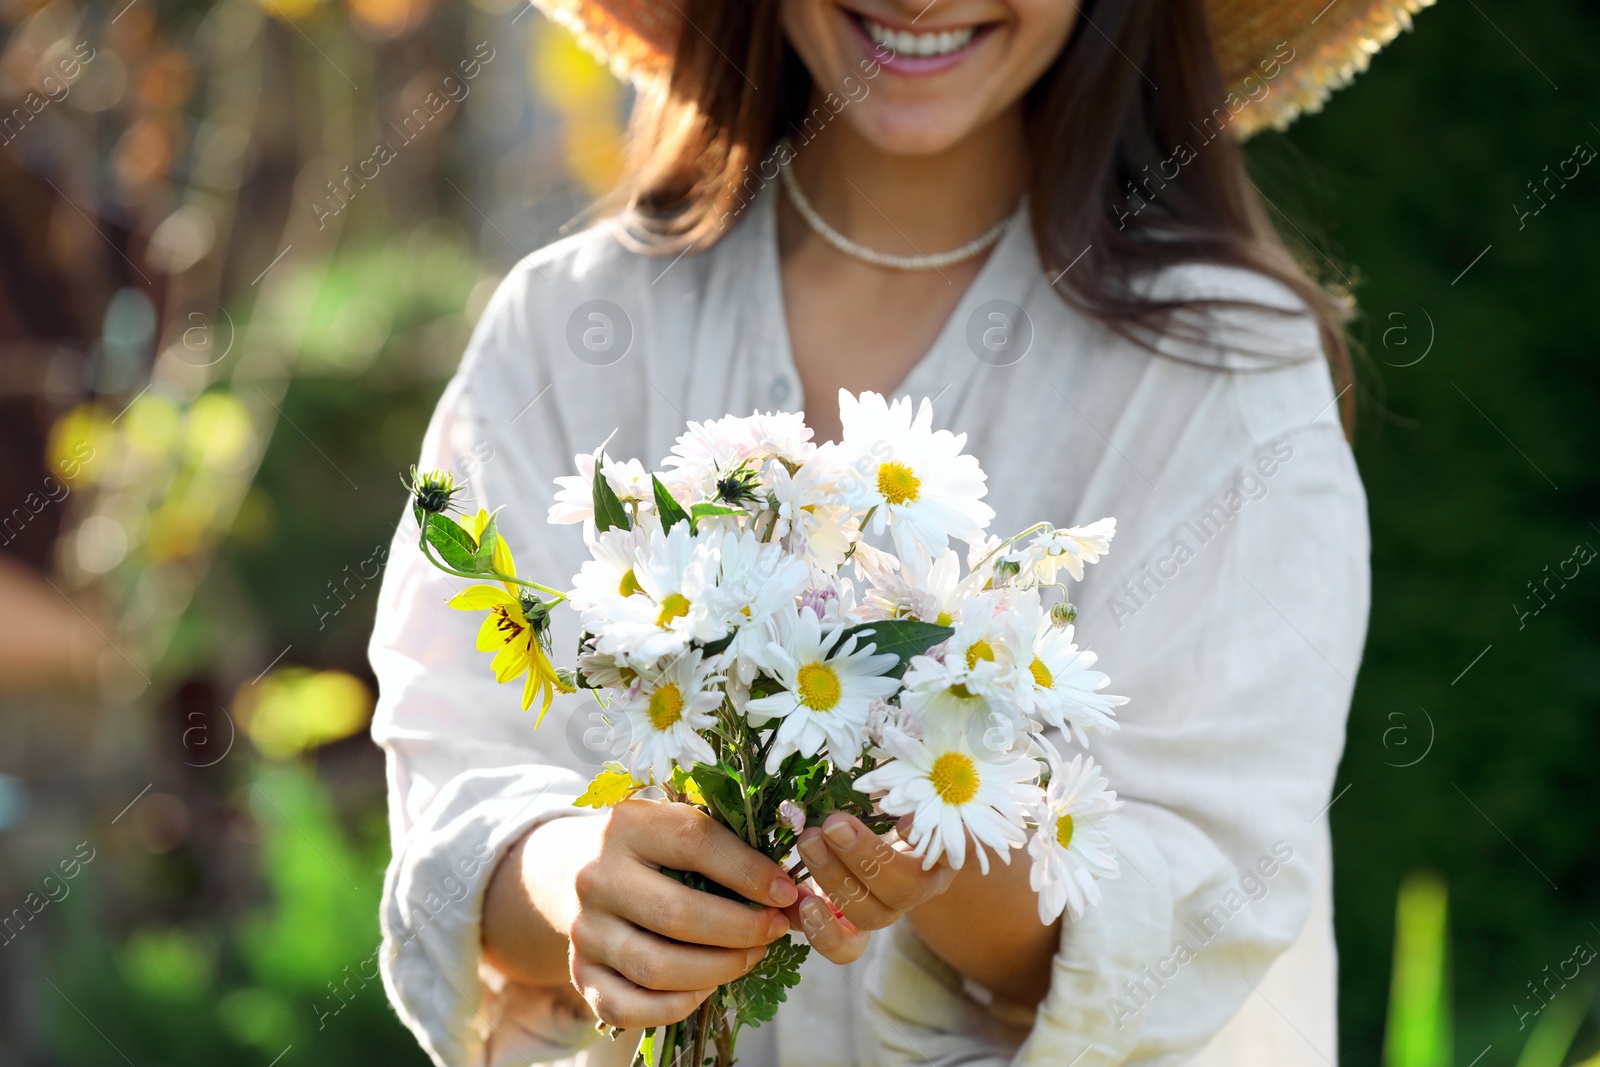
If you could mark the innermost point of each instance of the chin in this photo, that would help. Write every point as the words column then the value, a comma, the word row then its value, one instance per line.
column 911, row 129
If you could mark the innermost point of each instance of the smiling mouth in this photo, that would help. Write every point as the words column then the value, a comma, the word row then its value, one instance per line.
column 929, row 45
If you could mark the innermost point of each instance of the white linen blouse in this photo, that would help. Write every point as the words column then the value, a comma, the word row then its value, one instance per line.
column 1231, row 610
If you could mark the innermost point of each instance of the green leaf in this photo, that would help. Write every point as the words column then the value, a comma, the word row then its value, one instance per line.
column 755, row 997
column 453, row 544
column 707, row 509
column 717, row 647
column 722, row 792
column 647, row 1049
column 842, row 795
column 667, row 506
column 608, row 510
column 807, row 777
column 483, row 558
column 900, row 637
column 684, row 783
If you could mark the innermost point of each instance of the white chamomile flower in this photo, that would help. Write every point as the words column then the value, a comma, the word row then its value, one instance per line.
column 972, row 676
column 667, row 711
column 605, row 672
column 630, row 481
column 811, row 521
column 950, row 793
column 706, row 447
column 883, row 716
column 783, row 435
column 1059, row 683
column 676, row 573
column 1070, row 848
column 917, row 587
column 575, row 498
column 923, row 488
column 754, row 581
column 1069, row 549
column 834, row 602
column 609, row 573
column 827, row 691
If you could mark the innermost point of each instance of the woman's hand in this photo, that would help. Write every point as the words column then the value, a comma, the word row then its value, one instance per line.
column 642, row 948
column 870, row 880
column 876, row 882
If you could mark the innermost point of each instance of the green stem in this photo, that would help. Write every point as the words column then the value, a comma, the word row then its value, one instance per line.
column 491, row 575
column 669, row 1043
column 744, row 795
column 702, row 1024
column 1013, row 539
column 862, row 530
column 772, row 525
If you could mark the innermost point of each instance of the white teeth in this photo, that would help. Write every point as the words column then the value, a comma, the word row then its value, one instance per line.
column 918, row 44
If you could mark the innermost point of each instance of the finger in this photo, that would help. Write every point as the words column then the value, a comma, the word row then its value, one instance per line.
column 834, row 936
column 687, row 839
column 651, row 900
column 894, row 877
column 844, row 888
column 617, row 1002
column 653, row 962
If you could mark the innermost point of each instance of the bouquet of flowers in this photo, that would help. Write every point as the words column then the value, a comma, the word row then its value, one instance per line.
column 767, row 662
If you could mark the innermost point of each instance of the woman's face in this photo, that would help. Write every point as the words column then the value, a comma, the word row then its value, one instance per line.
column 916, row 77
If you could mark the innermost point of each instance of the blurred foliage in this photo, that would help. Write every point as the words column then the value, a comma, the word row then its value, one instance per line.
column 1479, row 768
column 294, row 969
column 260, row 500
column 296, row 709
column 1419, row 1028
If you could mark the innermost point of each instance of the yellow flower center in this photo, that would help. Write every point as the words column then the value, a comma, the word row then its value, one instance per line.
column 819, row 687
column 943, row 619
column 629, row 584
column 960, row 690
column 955, row 778
column 510, row 621
column 979, row 650
column 1041, row 674
column 673, row 606
column 1064, row 831
column 897, row 483
column 666, row 706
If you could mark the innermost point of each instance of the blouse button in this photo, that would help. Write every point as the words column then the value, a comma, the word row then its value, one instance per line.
column 778, row 392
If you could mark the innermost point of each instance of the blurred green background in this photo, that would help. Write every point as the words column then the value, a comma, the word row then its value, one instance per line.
column 214, row 363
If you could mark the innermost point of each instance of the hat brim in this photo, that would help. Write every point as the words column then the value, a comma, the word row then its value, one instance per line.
column 1280, row 60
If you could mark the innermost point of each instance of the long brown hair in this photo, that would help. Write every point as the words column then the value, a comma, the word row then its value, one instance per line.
column 1103, row 137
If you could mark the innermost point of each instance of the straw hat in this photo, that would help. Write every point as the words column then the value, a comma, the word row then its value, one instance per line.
column 1302, row 49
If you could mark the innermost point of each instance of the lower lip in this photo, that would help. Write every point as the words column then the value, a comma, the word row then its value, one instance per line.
column 913, row 65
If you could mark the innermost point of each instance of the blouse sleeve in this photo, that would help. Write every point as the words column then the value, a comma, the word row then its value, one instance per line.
column 1238, row 651
column 467, row 773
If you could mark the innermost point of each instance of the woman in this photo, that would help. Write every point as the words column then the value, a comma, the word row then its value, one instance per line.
column 1038, row 215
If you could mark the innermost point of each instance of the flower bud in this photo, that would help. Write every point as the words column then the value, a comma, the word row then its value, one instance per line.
column 432, row 492
column 792, row 815
column 1063, row 614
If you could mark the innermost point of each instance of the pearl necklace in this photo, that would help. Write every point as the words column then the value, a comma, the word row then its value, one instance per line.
column 819, row 225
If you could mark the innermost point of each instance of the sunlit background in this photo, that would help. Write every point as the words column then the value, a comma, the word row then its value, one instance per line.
column 241, row 248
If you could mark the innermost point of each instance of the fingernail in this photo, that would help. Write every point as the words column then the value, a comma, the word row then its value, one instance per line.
column 815, row 852
column 814, row 913
column 782, row 892
column 777, row 926
column 840, row 832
